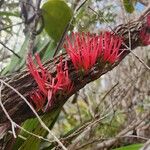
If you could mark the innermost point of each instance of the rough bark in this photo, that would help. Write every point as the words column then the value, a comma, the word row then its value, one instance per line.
column 24, row 83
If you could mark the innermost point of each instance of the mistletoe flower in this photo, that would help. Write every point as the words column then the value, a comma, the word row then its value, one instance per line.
column 38, row 99
column 62, row 78
column 40, row 77
column 48, row 86
column 145, row 33
column 110, row 47
column 85, row 49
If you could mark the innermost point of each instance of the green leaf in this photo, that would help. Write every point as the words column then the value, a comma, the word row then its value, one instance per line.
column 30, row 126
column 34, row 142
column 130, row 147
column 129, row 5
column 4, row 13
column 49, row 52
column 56, row 15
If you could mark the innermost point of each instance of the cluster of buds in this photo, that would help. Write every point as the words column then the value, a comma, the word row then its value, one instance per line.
column 86, row 49
column 145, row 32
column 48, row 85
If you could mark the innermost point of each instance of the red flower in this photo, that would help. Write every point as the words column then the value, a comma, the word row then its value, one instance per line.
column 48, row 86
column 62, row 78
column 85, row 49
column 145, row 37
column 148, row 20
column 144, row 33
column 110, row 47
column 38, row 99
column 40, row 76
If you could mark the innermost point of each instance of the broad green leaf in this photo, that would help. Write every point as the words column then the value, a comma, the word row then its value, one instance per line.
column 129, row 5
column 28, row 125
column 49, row 119
column 56, row 15
column 41, row 47
column 49, row 52
column 130, row 147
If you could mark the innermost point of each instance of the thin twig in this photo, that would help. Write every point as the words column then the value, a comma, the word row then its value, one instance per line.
column 83, row 3
column 103, row 98
column 13, row 126
column 100, row 16
column 140, row 60
column 146, row 145
column 38, row 4
column 136, row 136
column 20, row 136
column 137, row 57
column 79, row 112
column 35, row 135
column 5, row 28
column 10, row 50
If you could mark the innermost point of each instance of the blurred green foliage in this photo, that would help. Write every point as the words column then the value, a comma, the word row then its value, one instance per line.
column 129, row 5
column 130, row 147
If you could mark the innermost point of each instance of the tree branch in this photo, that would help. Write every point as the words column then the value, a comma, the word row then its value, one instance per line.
column 24, row 83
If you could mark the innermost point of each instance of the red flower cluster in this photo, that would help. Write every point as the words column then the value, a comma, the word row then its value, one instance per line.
column 145, row 34
column 85, row 49
column 48, row 85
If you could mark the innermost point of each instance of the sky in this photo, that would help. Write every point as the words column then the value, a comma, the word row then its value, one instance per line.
column 139, row 7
